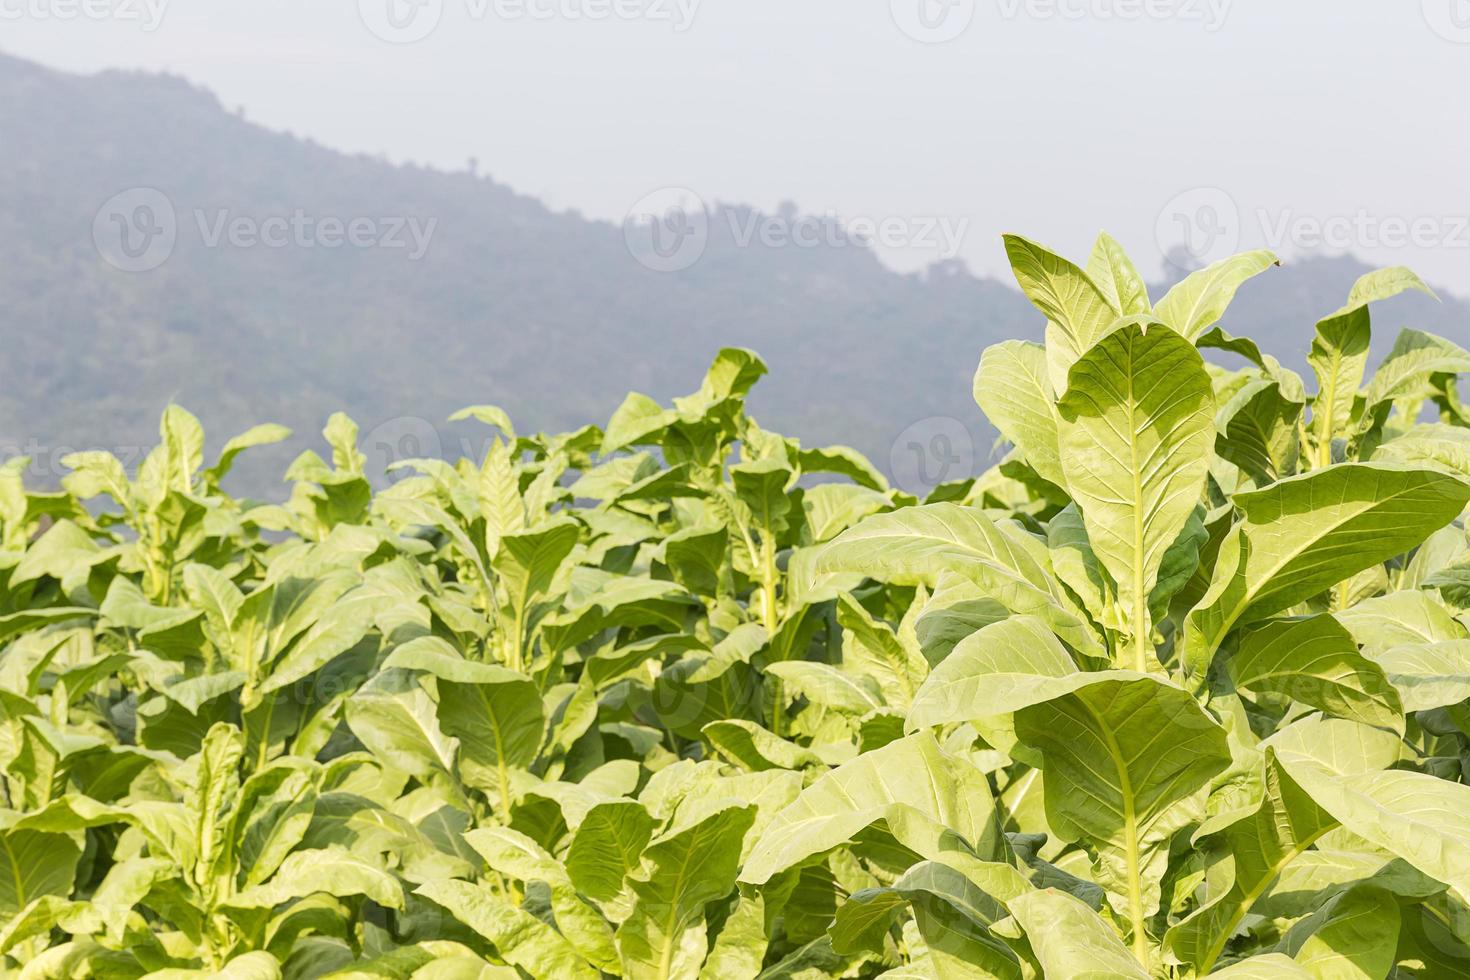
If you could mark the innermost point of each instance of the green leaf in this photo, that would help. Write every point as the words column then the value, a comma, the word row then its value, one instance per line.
column 1258, row 848
column 528, row 561
column 997, row 664
column 491, row 415
column 257, row 435
column 761, row 486
column 1078, row 313
column 1303, row 535
column 756, row 749
column 1428, row 676
column 1197, row 302
column 32, row 865
column 1442, row 447
column 500, row 722
column 1126, row 761
column 331, row 871
column 1406, row 372
column 1137, row 430
column 1316, row 661
column 919, row 544
column 518, row 857
column 931, row 801
column 1355, row 936
column 1272, row 966
column 1407, row 618
column 518, row 936
column 1126, row 756
column 1116, row 278
column 248, row 966
column 664, row 937
column 606, row 846
column 1071, row 941
column 1421, row 818
column 1013, row 389
column 1258, row 431
column 946, row 898
column 395, row 718
column 1339, row 354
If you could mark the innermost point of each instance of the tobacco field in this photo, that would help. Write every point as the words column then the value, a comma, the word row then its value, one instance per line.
column 1178, row 687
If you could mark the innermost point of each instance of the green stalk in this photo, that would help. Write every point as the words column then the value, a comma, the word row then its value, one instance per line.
column 770, row 617
column 1249, row 898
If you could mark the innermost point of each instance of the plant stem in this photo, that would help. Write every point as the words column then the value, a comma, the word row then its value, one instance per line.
column 771, row 618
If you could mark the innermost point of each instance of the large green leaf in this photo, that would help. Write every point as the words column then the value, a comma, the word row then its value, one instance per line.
column 664, row 937
column 1303, row 535
column 1258, row 431
column 496, row 714
column 952, row 911
column 1136, row 435
column 1198, row 301
column 920, row 544
column 1013, row 389
column 1116, row 277
column 1430, row 675
column 331, row 871
column 34, row 864
column 1422, row 819
column 1127, row 757
column 995, row 665
column 396, row 719
column 1256, row 850
column 511, row 853
column 1316, row 661
column 607, row 845
column 1339, row 354
column 1078, row 313
column 931, row 802
column 518, row 936
column 1405, row 373
column 1071, row 940
column 1354, row 936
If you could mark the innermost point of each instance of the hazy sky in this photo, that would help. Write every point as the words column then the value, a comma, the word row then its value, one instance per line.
column 1304, row 125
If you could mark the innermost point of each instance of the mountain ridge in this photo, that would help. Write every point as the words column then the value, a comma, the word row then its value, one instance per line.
column 545, row 313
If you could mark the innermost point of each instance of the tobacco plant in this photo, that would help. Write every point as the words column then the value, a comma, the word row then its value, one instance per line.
column 1177, row 688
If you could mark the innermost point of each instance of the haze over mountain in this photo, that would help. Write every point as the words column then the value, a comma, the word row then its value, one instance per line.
column 251, row 314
